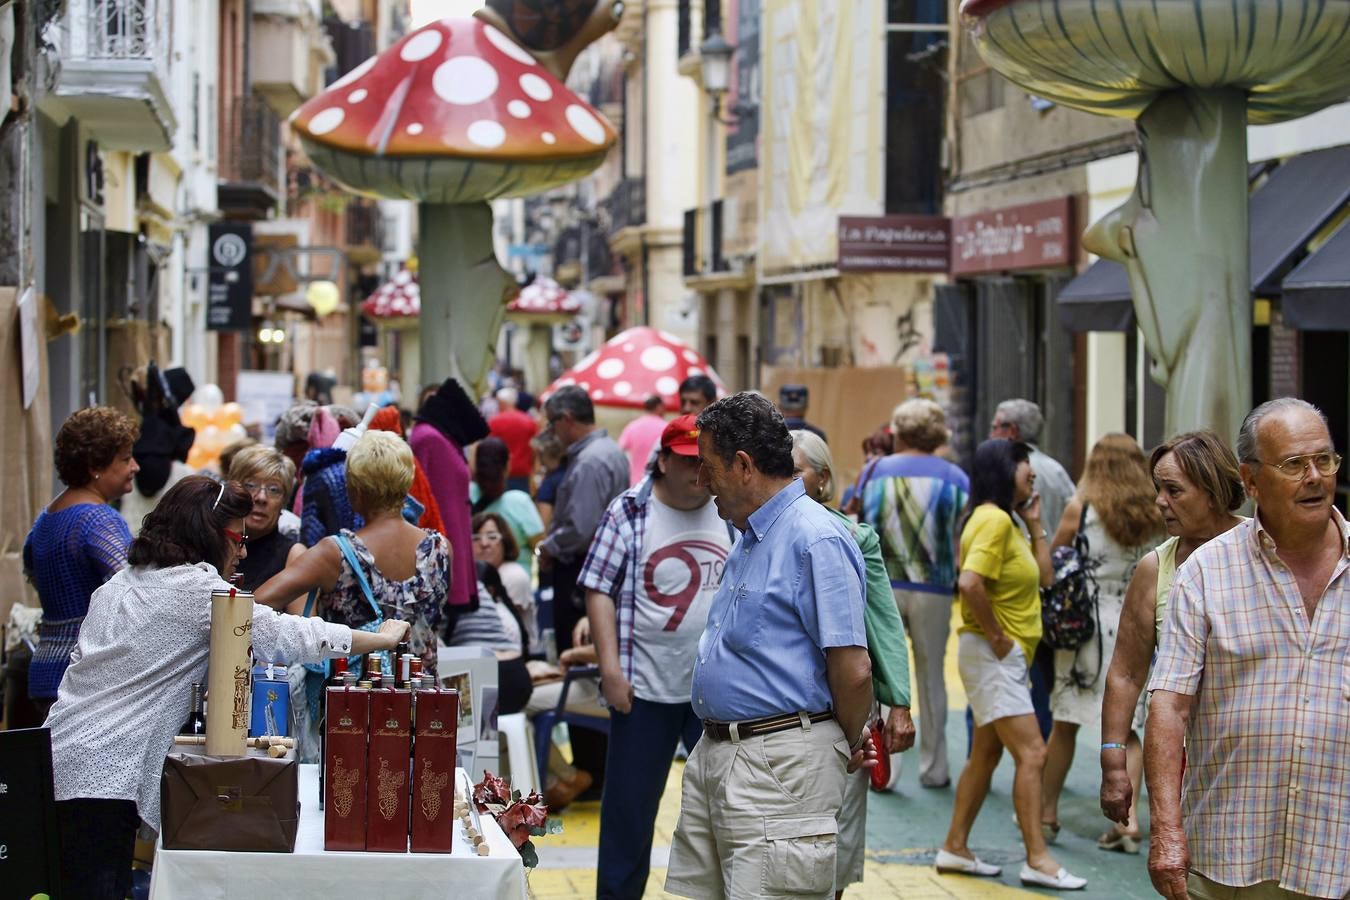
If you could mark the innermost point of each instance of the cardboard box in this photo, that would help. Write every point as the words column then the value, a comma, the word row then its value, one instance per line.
column 387, row 786
column 433, row 786
column 344, row 773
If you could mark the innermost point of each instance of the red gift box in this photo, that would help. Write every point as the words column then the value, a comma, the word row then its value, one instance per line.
column 433, row 789
column 348, row 724
column 387, row 773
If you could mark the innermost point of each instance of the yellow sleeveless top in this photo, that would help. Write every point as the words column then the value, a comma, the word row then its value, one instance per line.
column 1167, row 570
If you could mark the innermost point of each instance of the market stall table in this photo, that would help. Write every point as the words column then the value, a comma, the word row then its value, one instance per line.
column 313, row 872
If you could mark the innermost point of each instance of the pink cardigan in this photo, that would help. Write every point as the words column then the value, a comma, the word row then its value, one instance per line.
column 448, row 472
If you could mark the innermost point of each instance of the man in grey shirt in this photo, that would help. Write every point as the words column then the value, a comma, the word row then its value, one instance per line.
column 1021, row 420
column 597, row 472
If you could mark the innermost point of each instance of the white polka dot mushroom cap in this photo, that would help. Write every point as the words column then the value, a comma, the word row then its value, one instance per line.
column 634, row 365
column 455, row 87
column 544, row 296
column 398, row 298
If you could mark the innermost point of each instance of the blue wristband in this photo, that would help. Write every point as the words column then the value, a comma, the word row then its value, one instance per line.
column 1113, row 746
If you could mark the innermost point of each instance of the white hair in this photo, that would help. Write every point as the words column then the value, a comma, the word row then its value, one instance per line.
column 507, row 397
column 817, row 455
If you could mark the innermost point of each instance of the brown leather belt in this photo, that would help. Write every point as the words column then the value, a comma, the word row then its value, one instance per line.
column 721, row 731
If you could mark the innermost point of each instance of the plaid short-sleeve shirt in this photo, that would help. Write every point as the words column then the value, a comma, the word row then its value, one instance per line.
column 1268, row 744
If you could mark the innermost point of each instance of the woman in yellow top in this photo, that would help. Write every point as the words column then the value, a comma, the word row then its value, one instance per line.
column 1199, row 492
column 1001, row 577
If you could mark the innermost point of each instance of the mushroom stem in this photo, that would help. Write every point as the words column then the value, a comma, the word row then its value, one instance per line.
column 1182, row 237
column 464, row 292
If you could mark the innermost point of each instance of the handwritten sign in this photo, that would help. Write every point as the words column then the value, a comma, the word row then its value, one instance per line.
column 1032, row 236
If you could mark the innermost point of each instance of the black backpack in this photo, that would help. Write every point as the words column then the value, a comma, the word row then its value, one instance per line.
column 1069, row 605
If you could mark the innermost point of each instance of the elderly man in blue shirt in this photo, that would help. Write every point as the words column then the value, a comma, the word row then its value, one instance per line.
column 782, row 680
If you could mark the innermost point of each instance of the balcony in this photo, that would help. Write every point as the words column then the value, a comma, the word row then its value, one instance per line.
column 703, row 246
column 288, row 52
column 627, row 206
column 114, row 69
column 364, row 232
column 250, row 158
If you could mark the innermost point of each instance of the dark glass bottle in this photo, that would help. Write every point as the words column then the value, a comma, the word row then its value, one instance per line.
column 196, row 720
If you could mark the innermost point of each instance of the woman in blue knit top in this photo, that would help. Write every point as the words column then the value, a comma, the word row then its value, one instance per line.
column 79, row 541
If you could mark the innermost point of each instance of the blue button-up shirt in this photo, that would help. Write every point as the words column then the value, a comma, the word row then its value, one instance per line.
column 793, row 586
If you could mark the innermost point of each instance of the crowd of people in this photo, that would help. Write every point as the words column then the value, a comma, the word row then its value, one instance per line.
column 744, row 609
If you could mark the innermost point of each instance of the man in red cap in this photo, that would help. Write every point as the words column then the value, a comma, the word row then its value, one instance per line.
column 651, row 572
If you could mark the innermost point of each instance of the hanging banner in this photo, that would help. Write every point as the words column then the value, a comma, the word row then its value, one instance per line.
column 229, row 286
column 822, row 120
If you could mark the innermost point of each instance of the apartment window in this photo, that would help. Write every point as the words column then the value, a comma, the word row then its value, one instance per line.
column 916, row 62
column 980, row 87
column 712, row 17
column 684, row 34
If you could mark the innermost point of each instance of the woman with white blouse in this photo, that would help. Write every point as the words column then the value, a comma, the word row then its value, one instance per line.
column 127, row 690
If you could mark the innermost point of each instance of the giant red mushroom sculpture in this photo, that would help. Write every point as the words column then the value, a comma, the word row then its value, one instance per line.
column 1192, row 73
column 539, row 306
column 454, row 115
column 635, row 364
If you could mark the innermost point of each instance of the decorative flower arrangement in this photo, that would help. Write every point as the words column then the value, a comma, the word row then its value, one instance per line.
column 521, row 817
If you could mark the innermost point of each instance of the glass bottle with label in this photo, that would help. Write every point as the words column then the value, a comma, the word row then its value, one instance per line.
column 196, row 720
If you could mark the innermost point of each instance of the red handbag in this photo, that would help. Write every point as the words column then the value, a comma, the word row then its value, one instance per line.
column 881, row 772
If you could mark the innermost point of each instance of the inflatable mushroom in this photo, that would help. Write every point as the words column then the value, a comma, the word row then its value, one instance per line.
column 635, row 364
column 454, row 115
column 1192, row 74
column 397, row 302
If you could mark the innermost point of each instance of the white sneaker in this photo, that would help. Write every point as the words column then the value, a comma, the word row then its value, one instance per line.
column 1060, row 881
column 950, row 862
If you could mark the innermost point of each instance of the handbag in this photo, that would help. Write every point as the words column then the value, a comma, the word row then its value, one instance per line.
column 1069, row 604
column 247, row 803
column 880, row 774
column 354, row 663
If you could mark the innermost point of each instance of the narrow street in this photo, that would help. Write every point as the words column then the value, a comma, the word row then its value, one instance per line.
column 903, row 831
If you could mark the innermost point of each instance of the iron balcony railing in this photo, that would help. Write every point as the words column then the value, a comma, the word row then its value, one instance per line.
column 131, row 30
column 250, row 144
column 628, row 204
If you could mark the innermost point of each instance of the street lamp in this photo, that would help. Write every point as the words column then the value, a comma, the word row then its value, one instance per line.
column 715, row 57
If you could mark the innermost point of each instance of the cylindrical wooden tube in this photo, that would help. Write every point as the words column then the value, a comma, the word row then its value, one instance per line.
column 228, row 698
column 257, row 743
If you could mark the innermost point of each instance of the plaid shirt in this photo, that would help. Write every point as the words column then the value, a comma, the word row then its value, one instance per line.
column 1264, row 796
column 611, row 563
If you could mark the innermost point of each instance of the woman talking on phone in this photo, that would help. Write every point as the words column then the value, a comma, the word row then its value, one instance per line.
column 999, row 586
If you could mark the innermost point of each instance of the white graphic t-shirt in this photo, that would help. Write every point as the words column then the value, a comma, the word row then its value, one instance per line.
column 681, row 566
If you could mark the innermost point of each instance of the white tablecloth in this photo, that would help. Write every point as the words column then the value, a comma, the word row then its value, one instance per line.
column 312, row 872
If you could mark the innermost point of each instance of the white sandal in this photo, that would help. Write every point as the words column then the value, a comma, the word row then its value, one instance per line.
column 1060, row 881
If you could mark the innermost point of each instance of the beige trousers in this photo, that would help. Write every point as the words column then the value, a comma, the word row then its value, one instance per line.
column 758, row 817
column 1201, row 888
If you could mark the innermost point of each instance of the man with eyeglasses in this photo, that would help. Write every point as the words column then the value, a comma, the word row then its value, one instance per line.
column 1252, row 676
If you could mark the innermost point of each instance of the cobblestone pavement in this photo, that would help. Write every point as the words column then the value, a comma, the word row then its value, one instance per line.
column 903, row 831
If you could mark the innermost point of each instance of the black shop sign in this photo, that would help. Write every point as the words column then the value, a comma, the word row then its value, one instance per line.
column 229, row 291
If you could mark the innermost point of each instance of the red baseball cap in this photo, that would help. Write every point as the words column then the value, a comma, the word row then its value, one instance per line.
column 681, row 436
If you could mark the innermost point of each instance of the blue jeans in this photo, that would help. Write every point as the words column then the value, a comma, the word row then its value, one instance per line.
column 641, row 747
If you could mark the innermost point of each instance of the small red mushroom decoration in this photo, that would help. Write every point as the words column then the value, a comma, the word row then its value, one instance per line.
column 398, row 298
column 635, row 364
column 543, row 300
column 453, row 115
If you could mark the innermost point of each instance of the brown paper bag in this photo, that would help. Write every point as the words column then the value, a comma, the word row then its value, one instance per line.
column 221, row 803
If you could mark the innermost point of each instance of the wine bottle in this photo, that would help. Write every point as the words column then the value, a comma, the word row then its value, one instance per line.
column 196, row 720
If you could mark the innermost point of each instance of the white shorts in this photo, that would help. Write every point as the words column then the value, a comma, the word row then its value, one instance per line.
column 996, row 688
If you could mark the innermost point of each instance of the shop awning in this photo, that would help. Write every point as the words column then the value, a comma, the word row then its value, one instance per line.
column 1297, row 199
column 1098, row 299
column 1317, row 293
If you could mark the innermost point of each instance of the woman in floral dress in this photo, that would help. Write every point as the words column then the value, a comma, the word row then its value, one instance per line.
column 406, row 568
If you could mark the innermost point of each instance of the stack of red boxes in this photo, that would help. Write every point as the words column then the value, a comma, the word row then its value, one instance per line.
column 389, row 768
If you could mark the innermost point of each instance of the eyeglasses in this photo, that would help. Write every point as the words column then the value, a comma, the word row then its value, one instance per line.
column 239, row 539
column 488, row 537
column 273, row 491
column 1295, row 467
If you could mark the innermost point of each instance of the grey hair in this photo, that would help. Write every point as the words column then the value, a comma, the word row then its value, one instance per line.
column 816, row 454
column 1246, row 439
column 1026, row 416
column 748, row 421
column 507, row 397
column 574, row 401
